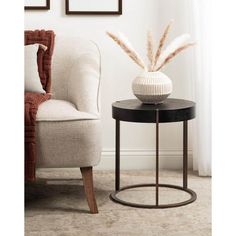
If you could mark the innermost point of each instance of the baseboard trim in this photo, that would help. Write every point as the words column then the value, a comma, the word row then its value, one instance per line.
column 143, row 159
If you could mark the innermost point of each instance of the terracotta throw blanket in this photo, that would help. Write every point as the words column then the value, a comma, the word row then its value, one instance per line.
column 33, row 100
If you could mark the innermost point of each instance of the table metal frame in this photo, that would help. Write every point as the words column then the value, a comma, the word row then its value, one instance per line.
column 157, row 185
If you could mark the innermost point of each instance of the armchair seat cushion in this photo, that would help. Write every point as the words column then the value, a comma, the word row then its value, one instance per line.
column 60, row 110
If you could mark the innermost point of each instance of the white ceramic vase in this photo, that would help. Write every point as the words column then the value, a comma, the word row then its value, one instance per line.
column 152, row 87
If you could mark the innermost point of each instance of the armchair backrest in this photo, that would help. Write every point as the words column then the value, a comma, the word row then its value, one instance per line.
column 76, row 73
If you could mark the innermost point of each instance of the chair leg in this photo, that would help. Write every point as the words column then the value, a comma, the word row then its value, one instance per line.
column 87, row 174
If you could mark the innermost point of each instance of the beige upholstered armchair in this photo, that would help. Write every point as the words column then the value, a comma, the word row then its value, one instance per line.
column 68, row 125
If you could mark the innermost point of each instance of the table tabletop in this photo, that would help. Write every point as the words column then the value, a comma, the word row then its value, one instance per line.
column 171, row 110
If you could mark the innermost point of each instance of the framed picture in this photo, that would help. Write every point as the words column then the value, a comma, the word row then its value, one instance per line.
column 37, row 4
column 94, row 7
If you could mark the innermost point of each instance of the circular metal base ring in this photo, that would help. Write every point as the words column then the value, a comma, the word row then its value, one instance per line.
column 193, row 197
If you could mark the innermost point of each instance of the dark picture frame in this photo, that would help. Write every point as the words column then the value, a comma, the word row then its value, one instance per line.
column 72, row 12
column 46, row 7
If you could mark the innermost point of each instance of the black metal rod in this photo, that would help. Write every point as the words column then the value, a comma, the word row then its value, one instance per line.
column 157, row 158
column 185, row 154
column 117, row 179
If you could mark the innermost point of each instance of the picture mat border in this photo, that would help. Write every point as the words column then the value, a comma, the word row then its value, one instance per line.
column 69, row 12
column 47, row 7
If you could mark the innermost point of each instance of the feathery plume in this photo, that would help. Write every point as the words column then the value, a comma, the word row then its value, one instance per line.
column 161, row 57
column 162, row 41
column 123, row 42
column 150, row 49
column 173, row 46
column 173, row 54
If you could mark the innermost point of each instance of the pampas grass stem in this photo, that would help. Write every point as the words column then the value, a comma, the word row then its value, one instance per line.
column 175, row 53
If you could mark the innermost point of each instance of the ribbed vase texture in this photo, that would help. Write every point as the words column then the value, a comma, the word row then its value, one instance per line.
column 152, row 87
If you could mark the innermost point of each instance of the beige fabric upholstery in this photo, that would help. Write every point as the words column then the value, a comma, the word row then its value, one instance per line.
column 68, row 126
column 68, row 143
column 76, row 73
column 59, row 110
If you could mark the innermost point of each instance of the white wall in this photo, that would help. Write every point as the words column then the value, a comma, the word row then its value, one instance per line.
column 138, row 141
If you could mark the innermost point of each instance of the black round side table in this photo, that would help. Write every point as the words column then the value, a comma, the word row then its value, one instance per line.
column 172, row 110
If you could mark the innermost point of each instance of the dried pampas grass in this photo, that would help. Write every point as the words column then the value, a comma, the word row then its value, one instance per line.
column 162, row 41
column 173, row 54
column 172, row 47
column 150, row 49
column 156, row 60
column 128, row 49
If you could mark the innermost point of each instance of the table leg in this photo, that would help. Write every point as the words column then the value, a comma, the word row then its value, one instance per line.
column 117, row 179
column 185, row 154
column 157, row 158
column 114, row 196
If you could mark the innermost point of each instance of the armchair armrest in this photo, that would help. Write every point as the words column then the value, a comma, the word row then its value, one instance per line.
column 84, row 81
